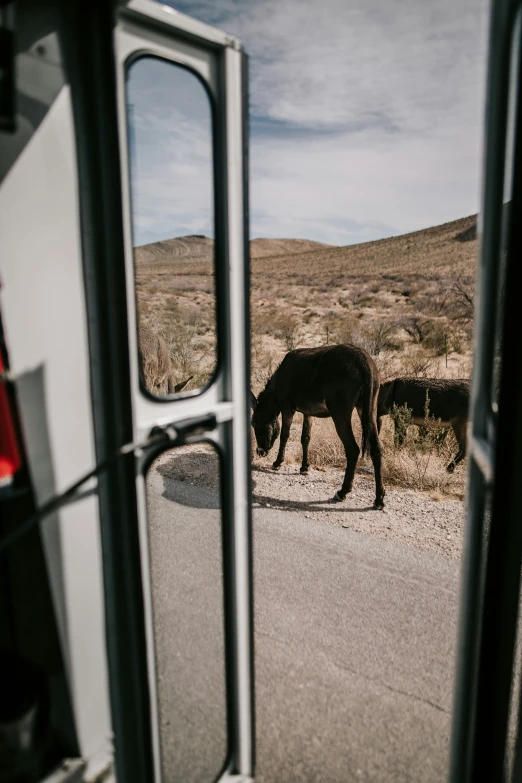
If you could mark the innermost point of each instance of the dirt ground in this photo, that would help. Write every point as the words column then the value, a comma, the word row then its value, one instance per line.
column 409, row 517
column 407, row 300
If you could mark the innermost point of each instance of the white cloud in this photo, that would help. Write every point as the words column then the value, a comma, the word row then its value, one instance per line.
column 367, row 115
column 384, row 185
column 172, row 159
column 397, row 64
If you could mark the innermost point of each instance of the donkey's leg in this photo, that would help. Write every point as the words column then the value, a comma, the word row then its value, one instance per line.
column 342, row 418
column 442, row 435
column 305, row 442
column 376, row 455
column 286, row 417
column 459, row 428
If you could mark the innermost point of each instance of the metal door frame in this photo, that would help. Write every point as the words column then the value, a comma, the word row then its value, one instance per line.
column 493, row 547
column 122, row 412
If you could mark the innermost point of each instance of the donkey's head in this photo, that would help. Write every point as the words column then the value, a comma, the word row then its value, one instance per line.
column 174, row 388
column 386, row 397
column 265, row 423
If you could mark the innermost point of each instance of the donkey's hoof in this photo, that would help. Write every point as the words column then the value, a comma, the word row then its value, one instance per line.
column 276, row 465
column 337, row 498
column 379, row 504
column 450, row 468
column 304, row 470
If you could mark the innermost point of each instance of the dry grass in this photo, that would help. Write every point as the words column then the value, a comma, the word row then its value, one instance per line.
column 419, row 464
column 407, row 300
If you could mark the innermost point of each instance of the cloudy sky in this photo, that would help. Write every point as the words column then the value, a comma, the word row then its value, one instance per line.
column 171, row 152
column 366, row 119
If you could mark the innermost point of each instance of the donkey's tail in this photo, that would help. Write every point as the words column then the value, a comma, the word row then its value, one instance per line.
column 367, row 413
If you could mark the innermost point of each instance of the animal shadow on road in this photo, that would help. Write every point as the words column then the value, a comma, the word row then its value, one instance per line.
column 190, row 494
column 302, row 505
column 191, row 478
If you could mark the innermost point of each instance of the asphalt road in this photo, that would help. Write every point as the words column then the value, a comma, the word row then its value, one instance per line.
column 355, row 641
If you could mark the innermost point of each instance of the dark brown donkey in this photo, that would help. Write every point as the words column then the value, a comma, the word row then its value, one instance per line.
column 448, row 401
column 323, row 382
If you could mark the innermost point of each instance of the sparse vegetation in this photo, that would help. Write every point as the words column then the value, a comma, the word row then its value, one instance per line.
column 417, row 456
column 285, row 326
column 408, row 300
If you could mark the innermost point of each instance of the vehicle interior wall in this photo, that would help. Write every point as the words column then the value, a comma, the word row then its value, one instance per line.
column 52, row 610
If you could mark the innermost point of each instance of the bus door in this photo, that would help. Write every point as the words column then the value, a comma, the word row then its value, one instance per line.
column 160, row 103
column 486, row 741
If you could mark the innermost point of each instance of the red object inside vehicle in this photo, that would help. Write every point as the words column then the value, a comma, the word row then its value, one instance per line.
column 10, row 460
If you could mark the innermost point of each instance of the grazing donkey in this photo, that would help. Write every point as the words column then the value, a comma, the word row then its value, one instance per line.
column 328, row 381
column 448, row 401
column 156, row 364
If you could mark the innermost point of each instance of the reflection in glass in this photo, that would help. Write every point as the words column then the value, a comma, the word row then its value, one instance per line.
column 185, row 550
column 170, row 147
column 514, row 739
column 506, row 206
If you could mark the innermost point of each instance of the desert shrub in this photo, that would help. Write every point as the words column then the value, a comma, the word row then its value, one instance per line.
column 192, row 350
column 431, row 434
column 360, row 295
column 432, row 302
column 402, row 418
column 417, row 366
column 171, row 307
column 263, row 320
column 278, row 323
column 377, row 336
column 462, row 294
column 184, row 344
column 387, row 364
column 460, row 339
column 366, row 301
column 187, row 353
column 437, row 337
column 416, row 458
column 263, row 361
column 374, row 337
column 286, row 326
column 342, row 329
column 155, row 360
column 415, row 327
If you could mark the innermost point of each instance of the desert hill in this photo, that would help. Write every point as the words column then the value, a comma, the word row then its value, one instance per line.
column 200, row 248
column 446, row 250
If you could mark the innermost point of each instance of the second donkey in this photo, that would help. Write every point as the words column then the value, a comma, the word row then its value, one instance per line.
column 448, row 401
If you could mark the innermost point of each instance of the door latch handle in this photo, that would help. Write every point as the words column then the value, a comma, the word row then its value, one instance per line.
column 186, row 430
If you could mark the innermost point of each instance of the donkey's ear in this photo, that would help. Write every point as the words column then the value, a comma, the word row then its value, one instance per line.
column 253, row 400
column 179, row 386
